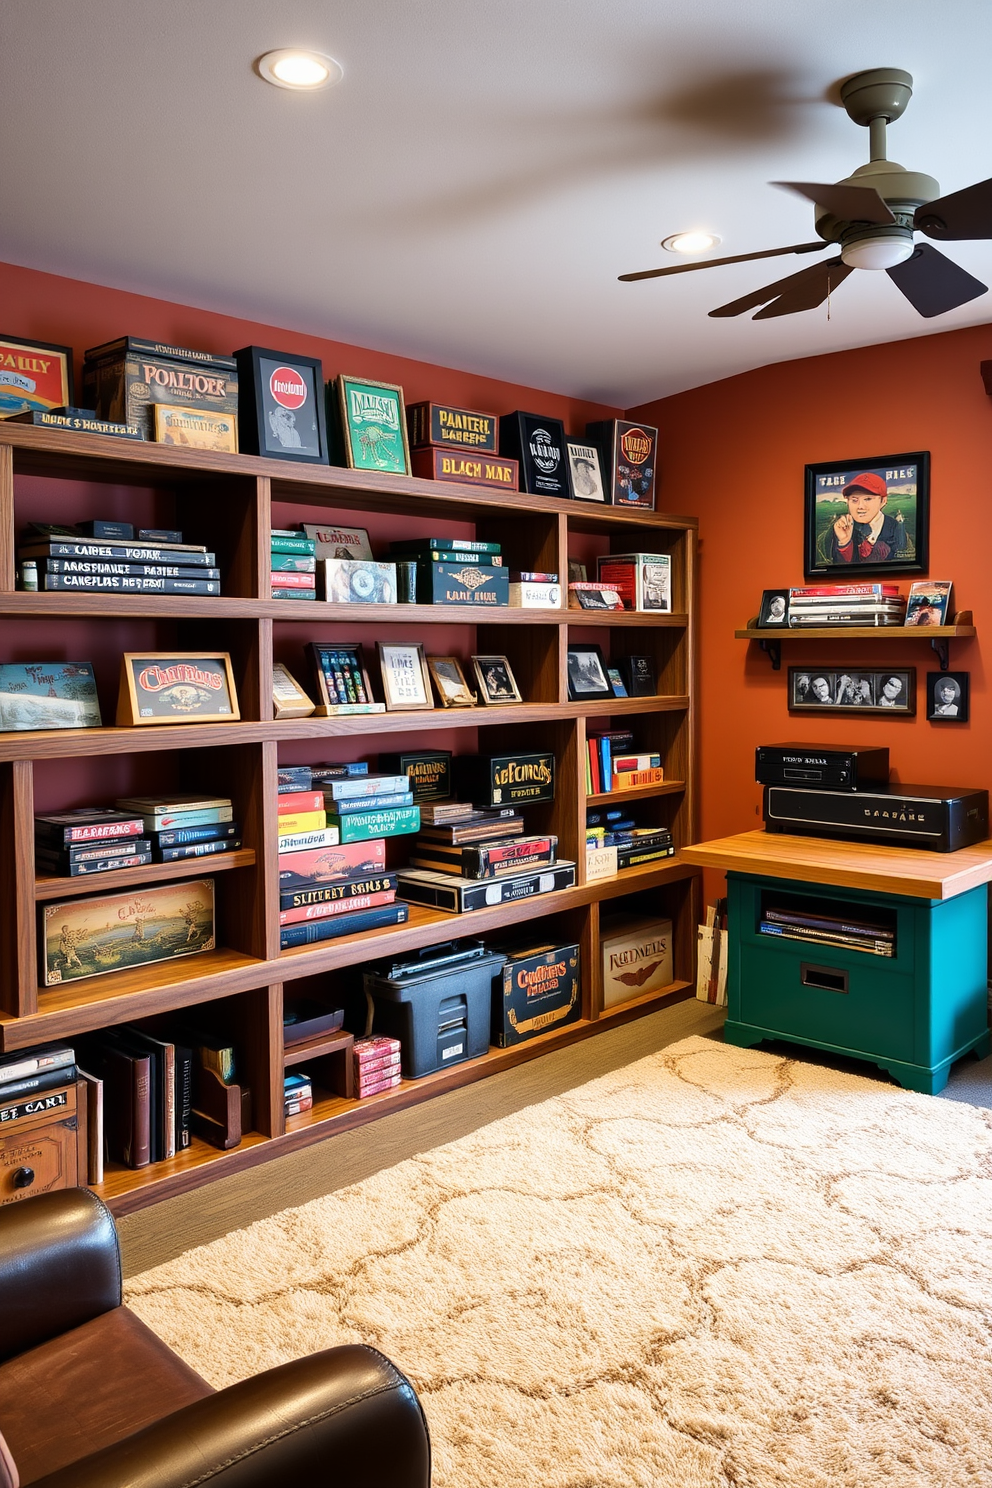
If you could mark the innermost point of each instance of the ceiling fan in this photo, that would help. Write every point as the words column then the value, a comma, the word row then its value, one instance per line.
column 872, row 215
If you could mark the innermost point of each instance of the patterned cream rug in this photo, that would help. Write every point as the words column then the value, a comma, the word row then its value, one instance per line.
column 715, row 1268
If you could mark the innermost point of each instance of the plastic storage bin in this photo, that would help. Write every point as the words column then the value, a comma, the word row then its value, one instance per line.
column 437, row 1004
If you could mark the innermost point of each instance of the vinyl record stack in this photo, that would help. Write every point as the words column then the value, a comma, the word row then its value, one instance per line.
column 846, row 604
column 294, row 565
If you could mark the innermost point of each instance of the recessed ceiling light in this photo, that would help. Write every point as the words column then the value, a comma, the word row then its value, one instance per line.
column 291, row 67
column 690, row 242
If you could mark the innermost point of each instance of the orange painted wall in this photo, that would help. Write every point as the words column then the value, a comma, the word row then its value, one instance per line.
column 80, row 315
column 733, row 454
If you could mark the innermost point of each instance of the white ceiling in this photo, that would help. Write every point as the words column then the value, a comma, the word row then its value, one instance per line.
column 469, row 193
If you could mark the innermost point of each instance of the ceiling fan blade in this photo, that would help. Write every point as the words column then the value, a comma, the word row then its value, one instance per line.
column 802, row 291
column 849, row 203
column 714, row 263
column 934, row 284
column 963, row 214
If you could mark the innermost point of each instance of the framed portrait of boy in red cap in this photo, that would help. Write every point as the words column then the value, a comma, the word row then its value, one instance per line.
column 867, row 518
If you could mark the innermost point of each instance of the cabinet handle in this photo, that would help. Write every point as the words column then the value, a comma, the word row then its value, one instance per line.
column 824, row 978
column 23, row 1177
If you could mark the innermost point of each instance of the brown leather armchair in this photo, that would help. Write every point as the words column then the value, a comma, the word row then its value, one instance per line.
column 92, row 1398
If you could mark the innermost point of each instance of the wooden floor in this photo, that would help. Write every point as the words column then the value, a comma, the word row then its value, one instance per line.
column 154, row 1235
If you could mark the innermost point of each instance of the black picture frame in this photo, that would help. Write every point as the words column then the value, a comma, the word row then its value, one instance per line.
column 905, row 530
column 587, row 674
column 774, row 611
column 259, row 406
column 959, row 702
column 853, row 690
column 638, row 673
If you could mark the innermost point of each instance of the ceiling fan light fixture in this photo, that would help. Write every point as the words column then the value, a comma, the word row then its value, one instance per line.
column 297, row 68
column 690, row 242
column 877, row 252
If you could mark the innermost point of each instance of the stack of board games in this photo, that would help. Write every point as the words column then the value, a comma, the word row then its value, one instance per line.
column 536, row 989
column 534, row 590
column 333, row 879
column 109, row 556
column 457, row 571
column 171, row 393
column 293, row 565
column 180, row 827
column 458, row 444
column 613, row 764
column 467, row 858
column 377, row 1065
column 91, row 839
column 846, row 604
column 634, row 845
column 643, row 580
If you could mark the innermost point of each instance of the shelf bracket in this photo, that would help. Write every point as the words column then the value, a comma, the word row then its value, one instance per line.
column 773, row 650
column 942, row 647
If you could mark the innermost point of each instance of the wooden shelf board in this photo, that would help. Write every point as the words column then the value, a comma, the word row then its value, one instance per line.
column 75, row 743
column 855, row 633
column 316, row 1048
column 636, row 793
column 126, row 1191
column 856, row 865
column 83, row 603
column 126, row 878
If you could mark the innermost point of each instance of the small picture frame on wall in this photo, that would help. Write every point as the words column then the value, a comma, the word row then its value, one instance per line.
column 852, row 690
column 587, row 678
column 868, row 517
column 449, row 682
column 948, row 697
column 176, row 687
column 281, row 411
column 406, row 682
column 774, row 609
column 35, row 376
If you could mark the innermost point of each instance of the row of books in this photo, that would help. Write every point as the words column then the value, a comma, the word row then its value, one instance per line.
column 99, row 556
column 135, row 831
column 635, row 845
column 613, row 764
column 828, row 930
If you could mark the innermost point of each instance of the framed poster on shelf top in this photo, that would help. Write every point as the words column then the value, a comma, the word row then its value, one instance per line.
column 372, row 424
column 281, row 412
column 35, row 376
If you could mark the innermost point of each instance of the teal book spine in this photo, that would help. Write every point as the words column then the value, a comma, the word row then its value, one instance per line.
column 358, row 826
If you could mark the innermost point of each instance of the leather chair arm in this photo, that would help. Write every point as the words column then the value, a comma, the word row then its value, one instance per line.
column 343, row 1418
column 59, row 1267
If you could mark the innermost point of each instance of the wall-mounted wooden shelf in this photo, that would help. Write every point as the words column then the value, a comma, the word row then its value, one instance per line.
column 771, row 638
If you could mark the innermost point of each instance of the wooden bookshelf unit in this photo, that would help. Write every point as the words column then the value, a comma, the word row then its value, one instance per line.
column 231, row 503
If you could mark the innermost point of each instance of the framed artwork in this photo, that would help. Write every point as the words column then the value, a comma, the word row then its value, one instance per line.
column 373, row 425
column 849, row 690
column 449, row 682
column 497, row 684
column 342, row 679
column 774, row 608
column 587, row 672
column 616, row 682
column 48, row 695
column 638, row 673
column 929, row 603
column 281, row 411
column 947, row 697
column 178, row 687
column 584, row 471
column 868, row 516
column 35, row 376
column 288, row 698
column 406, row 682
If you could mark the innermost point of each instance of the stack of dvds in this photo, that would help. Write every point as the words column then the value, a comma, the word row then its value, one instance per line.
column 297, row 1094
column 467, row 858
column 614, row 765
column 91, row 839
column 457, row 571
column 294, row 565
column 846, row 604
column 108, row 556
column 829, row 930
column 332, row 871
column 635, row 845
column 180, row 826
column 377, row 1065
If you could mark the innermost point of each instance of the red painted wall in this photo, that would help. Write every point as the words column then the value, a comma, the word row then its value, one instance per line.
column 733, row 453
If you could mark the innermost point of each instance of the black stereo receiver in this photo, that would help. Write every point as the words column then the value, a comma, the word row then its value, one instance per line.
column 941, row 819
column 821, row 766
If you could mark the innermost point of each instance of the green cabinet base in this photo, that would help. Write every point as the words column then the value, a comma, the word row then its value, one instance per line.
column 909, row 1076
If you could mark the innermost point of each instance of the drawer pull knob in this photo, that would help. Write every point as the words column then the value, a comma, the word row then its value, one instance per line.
column 23, row 1177
column 824, row 978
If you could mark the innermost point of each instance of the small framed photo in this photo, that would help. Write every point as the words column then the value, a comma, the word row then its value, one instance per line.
column 577, row 573
column 281, row 412
column 372, row 425
column 406, row 682
column 868, row 516
column 288, row 698
column 616, row 682
column 48, row 695
column 584, row 471
column 497, row 684
column 947, row 697
column 587, row 672
column 342, row 679
column 176, row 687
column 35, row 376
column 774, row 608
column 849, row 690
column 929, row 603
column 449, row 682
column 638, row 673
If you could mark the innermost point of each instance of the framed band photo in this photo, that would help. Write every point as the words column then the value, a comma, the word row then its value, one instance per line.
column 281, row 410
column 176, row 687
column 449, row 682
column 497, row 684
column 947, row 697
column 851, row 690
column 587, row 676
column 406, row 682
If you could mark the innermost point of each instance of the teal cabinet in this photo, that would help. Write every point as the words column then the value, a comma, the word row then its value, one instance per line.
column 913, row 1014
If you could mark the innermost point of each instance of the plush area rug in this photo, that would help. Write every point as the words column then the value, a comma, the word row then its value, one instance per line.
column 715, row 1268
